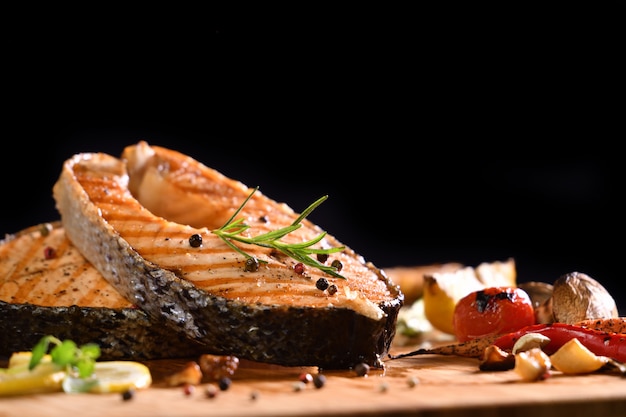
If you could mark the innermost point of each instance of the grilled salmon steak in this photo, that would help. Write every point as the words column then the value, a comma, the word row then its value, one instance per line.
column 147, row 222
column 48, row 288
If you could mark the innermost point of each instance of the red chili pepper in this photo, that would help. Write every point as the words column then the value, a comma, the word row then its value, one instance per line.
column 612, row 345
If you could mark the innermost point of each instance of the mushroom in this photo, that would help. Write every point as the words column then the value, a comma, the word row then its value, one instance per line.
column 577, row 297
column 540, row 294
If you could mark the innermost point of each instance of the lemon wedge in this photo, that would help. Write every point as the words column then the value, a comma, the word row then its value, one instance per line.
column 441, row 293
column 443, row 290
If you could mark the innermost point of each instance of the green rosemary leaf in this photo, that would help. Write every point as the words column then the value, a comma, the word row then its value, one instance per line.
column 274, row 234
column 230, row 221
column 309, row 209
column 325, row 251
column 232, row 231
column 307, row 260
column 307, row 244
column 236, row 248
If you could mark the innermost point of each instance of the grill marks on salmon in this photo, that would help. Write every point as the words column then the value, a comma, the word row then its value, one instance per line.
column 39, row 265
column 211, row 266
column 48, row 288
column 132, row 218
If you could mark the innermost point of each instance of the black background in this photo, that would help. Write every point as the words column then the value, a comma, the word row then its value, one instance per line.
column 442, row 133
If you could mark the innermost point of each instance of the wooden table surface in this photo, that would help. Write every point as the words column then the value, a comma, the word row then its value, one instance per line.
column 447, row 386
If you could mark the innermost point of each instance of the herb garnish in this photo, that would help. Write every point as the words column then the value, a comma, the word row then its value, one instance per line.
column 67, row 354
column 233, row 229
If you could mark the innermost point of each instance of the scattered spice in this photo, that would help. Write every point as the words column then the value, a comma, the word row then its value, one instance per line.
column 211, row 391
column 195, row 241
column 337, row 265
column 128, row 395
column 322, row 284
column 332, row 289
column 362, row 369
column 305, row 377
column 188, row 389
column 413, row 381
column 299, row 268
column 49, row 253
column 319, row 380
column 322, row 257
column 252, row 265
column 224, row 383
column 45, row 229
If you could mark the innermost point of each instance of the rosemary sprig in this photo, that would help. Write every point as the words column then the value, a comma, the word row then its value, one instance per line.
column 233, row 229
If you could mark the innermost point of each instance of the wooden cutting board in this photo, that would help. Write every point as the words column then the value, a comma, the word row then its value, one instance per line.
column 448, row 386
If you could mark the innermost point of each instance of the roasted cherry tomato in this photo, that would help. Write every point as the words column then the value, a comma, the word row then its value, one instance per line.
column 494, row 310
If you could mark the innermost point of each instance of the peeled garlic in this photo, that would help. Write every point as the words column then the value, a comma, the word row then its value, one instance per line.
column 529, row 341
column 574, row 358
column 532, row 365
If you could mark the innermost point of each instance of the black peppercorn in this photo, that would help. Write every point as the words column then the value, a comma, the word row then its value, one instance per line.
column 224, row 383
column 361, row 369
column 128, row 395
column 322, row 257
column 195, row 241
column 337, row 265
column 319, row 380
column 252, row 265
column 322, row 284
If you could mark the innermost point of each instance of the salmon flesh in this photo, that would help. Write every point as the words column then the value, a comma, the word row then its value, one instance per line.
column 48, row 288
column 133, row 217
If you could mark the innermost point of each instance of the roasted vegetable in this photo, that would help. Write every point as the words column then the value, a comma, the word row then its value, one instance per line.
column 574, row 358
column 532, row 365
column 471, row 349
column 576, row 297
column 442, row 290
column 496, row 359
column 614, row 325
column 493, row 310
column 540, row 294
column 612, row 345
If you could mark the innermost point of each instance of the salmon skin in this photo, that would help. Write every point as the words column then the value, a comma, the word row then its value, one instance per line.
column 132, row 218
column 48, row 288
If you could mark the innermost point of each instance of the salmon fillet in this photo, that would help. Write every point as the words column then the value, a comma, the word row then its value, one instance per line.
column 132, row 218
column 48, row 288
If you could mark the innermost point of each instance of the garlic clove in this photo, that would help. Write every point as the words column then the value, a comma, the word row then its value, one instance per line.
column 532, row 365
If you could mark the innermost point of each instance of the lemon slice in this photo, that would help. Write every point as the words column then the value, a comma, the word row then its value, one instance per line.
column 120, row 376
column 111, row 376
column 17, row 379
